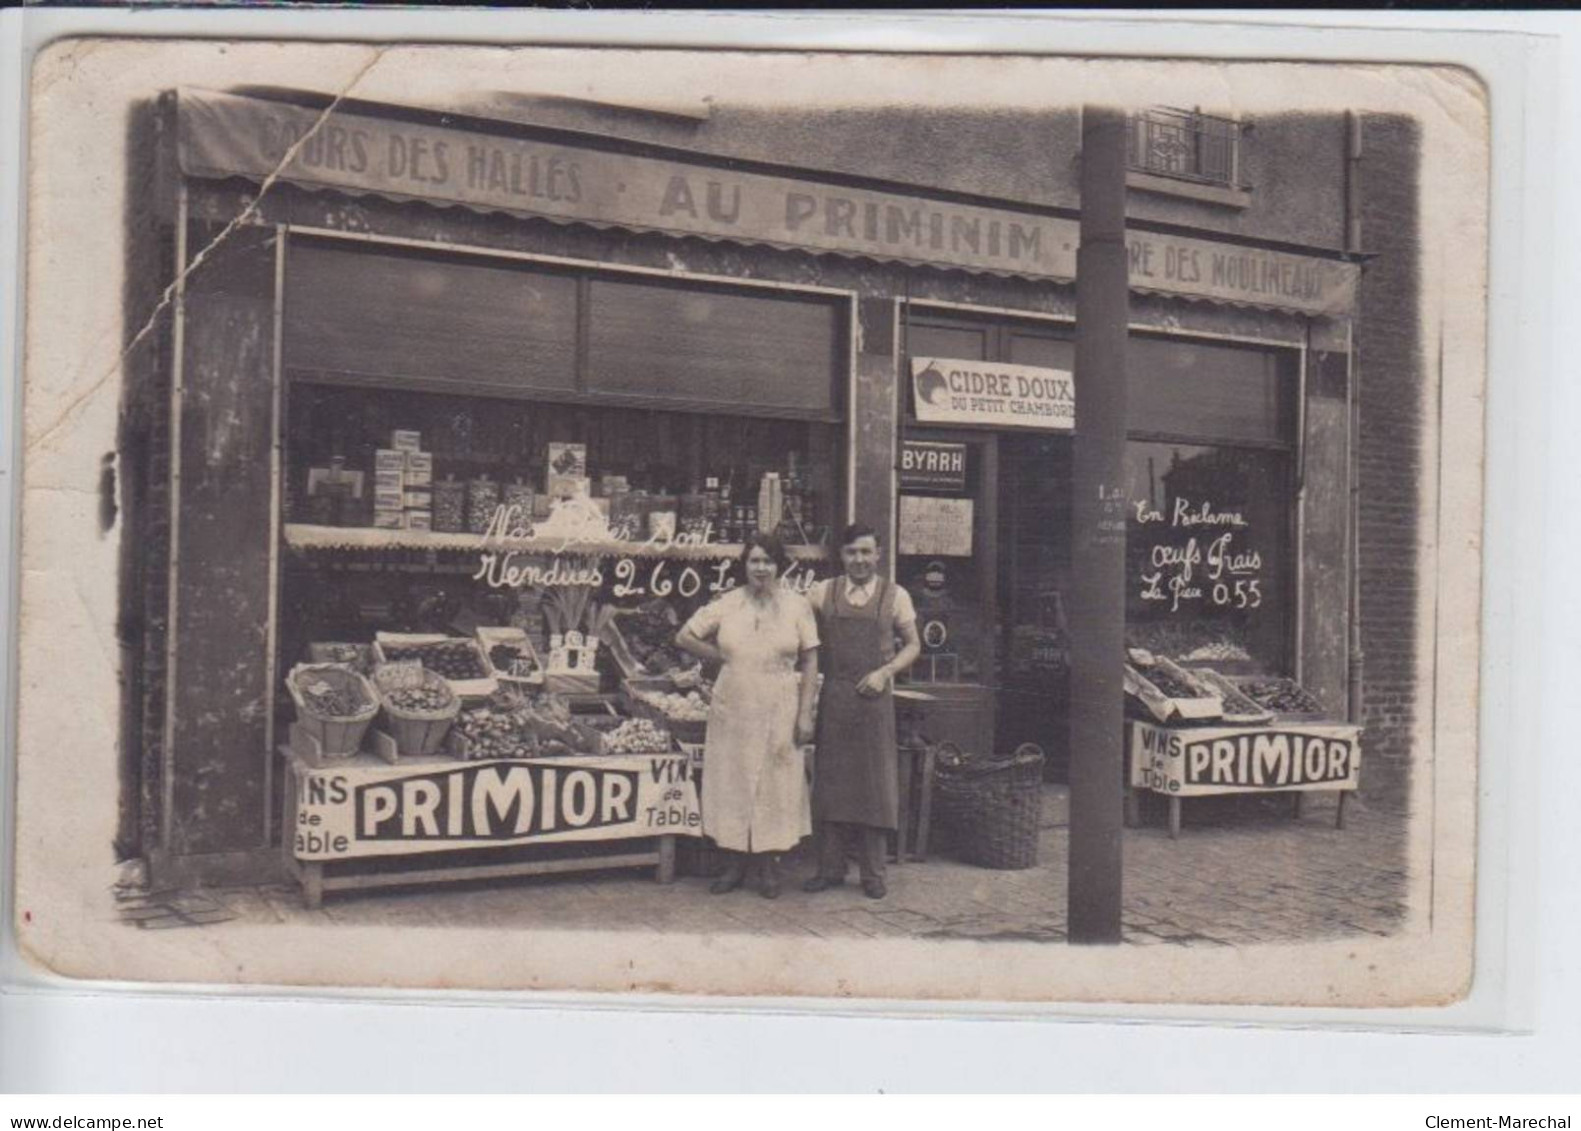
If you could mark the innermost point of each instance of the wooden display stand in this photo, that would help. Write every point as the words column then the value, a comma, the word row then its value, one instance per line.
column 316, row 877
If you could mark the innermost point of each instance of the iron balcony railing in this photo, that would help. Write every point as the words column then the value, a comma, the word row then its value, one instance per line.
column 1186, row 145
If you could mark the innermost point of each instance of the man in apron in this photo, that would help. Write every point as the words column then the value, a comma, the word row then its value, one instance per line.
column 856, row 791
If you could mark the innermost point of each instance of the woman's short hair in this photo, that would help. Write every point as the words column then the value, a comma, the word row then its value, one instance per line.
column 770, row 545
column 858, row 530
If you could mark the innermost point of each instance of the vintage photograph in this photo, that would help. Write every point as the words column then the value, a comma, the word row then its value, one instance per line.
column 944, row 528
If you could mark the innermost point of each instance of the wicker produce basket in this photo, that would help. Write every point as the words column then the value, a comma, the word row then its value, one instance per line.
column 416, row 733
column 338, row 736
column 989, row 808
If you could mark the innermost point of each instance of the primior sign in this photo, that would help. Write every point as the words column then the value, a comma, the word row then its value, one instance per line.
column 387, row 810
column 1187, row 761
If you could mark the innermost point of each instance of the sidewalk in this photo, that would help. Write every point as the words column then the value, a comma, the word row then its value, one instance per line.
column 1242, row 872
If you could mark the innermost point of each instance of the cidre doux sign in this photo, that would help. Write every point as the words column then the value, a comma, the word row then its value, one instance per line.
column 955, row 391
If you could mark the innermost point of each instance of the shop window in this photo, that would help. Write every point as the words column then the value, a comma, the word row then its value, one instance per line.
column 495, row 326
column 358, row 566
column 714, row 349
column 1209, row 486
column 440, row 321
column 1198, row 389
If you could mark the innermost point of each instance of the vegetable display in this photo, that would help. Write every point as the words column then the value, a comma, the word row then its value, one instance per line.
column 333, row 702
column 690, row 707
column 513, row 725
column 454, row 659
column 423, row 699
column 1172, row 687
column 649, row 632
column 1285, row 696
column 509, row 659
column 1220, row 651
column 637, row 736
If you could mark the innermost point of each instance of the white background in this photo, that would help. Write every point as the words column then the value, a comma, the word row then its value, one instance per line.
column 1527, row 1037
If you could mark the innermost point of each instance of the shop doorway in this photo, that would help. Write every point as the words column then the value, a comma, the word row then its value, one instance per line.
column 1034, row 534
column 985, row 551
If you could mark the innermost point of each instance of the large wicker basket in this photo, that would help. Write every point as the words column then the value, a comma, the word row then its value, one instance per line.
column 337, row 736
column 989, row 809
column 417, row 734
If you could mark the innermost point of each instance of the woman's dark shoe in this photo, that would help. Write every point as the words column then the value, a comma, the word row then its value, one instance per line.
column 730, row 879
column 821, row 883
column 769, row 879
column 874, row 888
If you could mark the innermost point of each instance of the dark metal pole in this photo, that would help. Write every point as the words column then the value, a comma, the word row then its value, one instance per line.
column 1097, row 615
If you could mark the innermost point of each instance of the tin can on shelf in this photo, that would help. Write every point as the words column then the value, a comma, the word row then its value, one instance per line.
column 520, row 496
column 663, row 515
column 695, row 518
column 483, row 498
column 450, row 505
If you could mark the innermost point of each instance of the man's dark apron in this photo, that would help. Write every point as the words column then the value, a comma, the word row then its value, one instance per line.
column 854, row 778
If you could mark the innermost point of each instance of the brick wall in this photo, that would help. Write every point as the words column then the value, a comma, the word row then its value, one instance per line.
column 1390, row 372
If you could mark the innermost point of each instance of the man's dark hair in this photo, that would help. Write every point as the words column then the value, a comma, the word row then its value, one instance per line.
column 859, row 530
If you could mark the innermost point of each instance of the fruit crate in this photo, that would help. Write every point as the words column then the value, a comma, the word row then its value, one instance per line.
column 1167, row 708
column 683, row 730
column 514, row 638
column 1238, row 707
column 480, row 687
column 1315, row 712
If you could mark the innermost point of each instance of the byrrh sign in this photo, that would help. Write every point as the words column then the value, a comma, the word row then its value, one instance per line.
column 224, row 135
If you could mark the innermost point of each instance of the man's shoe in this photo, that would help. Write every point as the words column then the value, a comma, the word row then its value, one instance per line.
column 874, row 888
column 821, row 883
column 730, row 881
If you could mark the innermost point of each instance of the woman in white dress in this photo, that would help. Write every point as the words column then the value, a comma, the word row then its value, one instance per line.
column 755, row 797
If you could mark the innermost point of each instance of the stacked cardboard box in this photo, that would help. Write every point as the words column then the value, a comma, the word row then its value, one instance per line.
column 403, row 484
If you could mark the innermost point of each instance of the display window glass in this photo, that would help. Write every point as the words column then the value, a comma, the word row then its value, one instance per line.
column 470, row 444
column 1211, row 504
column 1208, row 553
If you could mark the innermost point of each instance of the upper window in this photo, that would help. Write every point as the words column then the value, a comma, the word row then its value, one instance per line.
column 1185, row 145
column 445, row 322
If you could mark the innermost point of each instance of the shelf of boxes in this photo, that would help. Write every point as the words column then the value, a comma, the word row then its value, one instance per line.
column 301, row 536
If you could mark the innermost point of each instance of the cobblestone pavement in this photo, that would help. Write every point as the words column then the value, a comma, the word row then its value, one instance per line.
column 1243, row 871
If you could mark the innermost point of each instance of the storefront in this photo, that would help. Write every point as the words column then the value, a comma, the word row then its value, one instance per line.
column 460, row 379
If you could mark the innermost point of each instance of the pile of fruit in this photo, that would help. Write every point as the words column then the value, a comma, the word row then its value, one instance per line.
column 1170, row 685
column 1283, row 695
column 1219, row 652
column 420, row 700
column 331, row 702
column 637, row 736
column 689, row 708
column 497, row 732
column 514, row 725
column 1236, row 704
column 454, row 659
